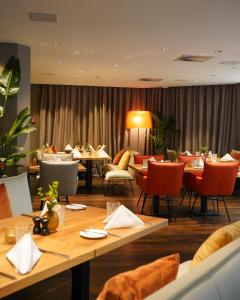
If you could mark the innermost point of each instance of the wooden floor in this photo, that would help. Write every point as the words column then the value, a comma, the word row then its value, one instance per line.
column 183, row 236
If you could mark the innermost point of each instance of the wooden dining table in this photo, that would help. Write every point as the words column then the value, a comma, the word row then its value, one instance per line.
column 90, row 158
column 188, row 169
column 67, row 240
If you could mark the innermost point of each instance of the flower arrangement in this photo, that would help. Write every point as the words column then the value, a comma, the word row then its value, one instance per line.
column 51, row 196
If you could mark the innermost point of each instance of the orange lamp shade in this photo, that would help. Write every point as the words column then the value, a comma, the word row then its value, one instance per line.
column 138, row 119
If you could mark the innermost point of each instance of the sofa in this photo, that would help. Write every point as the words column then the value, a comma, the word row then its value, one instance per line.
column 217, row 277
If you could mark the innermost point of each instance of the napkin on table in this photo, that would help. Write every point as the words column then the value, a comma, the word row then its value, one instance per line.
column 200, row 163
column 76, row 153
column 68, row 148
column 24, row 255
column 188, row 153
column 122, row 218
column 227, row 157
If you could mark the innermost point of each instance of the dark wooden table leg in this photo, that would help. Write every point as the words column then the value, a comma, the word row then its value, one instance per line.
column 155, row 205
column 89, row 175
column 80, row 281
column 204, row 211
column 204, row 205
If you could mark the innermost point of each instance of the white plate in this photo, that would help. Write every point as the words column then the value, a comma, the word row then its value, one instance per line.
column 76, row 206
column 93, row 233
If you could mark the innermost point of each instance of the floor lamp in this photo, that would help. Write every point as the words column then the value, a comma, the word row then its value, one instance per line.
column 138, row 119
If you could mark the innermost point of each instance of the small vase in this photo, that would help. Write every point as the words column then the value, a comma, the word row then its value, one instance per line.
column 53, row 220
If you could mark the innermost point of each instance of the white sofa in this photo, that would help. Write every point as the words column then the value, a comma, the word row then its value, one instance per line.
column 215, row 278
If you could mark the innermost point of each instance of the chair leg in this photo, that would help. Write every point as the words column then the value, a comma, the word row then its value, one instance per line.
column 169, row 209
column 131, row 187
column 144, row 201
column 107, row 188
column 213, row 205
column 194, row 203
column 217, row 205
column 139, row 198
column 183, row 195
column 224, row 202
column 173, row 210
column 190, row 201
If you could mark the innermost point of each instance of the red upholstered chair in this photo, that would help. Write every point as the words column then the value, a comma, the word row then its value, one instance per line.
column 187, row 160
column 162, row 179
column 217, row 181
column 138, row 159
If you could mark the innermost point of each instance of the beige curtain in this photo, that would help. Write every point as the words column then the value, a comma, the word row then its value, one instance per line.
column 205, row 115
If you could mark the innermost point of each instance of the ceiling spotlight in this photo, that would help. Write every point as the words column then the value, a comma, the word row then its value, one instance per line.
column 217, row 51
column 55, row 43
column 116, row 65
column 165, row 49
column 76, row 52
column 60, row 62
column 213, row 75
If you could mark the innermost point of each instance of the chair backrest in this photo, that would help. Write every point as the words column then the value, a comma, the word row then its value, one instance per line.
column 65, row 172
column 187, row 159
column 165, row 178
column 219, row 178
column 138, row 159
column 60, row 156
column 171, row 155
column 18, row 193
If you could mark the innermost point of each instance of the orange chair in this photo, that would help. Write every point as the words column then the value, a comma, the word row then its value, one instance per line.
column 138, row 159
column 162, row 179
column 217, row 181
column 186, row 160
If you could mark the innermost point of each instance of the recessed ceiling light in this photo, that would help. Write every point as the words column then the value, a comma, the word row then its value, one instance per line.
column 60, row 62
column 76, row 52
column 165, row 49
column 217, row 51
column 116, row 65
column 43, row 17
column 213, row 75
column 55, row 43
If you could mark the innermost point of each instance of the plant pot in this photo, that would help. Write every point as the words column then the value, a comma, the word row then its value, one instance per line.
column 53, row 220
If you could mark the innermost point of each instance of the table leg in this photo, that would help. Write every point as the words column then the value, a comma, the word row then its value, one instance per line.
column 155, row 205
column 204, row 209
column 89, row 175
column 80, row 281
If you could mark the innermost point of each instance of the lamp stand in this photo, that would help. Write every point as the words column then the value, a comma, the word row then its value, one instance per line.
column 138, row 142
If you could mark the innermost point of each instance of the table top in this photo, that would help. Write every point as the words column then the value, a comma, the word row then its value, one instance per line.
column 68, row 241
column 93, row 156
column 187, row 169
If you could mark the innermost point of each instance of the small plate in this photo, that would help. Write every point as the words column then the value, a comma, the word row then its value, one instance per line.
column 93, row 233
column 76, row 206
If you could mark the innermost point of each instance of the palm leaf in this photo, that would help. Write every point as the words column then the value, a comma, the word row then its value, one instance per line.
column 10, row 77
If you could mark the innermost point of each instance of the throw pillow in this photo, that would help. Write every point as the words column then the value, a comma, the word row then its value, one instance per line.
column 123, row 163
column 5, row 211
column 118, row 156
column 217, row 240
column 141, row 282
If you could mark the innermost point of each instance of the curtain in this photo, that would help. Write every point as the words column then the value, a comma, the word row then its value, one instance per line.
column 204, row 115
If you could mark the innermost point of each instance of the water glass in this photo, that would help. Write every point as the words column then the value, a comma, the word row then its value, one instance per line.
column 145, row 163
column 214, row 157
column 10, row 235
column 112, row 206
column 21, row 229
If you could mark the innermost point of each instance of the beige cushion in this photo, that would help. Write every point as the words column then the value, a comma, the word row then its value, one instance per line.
column 118, row 156
column 123, row 163
column 57, row 157
column 109, row 167
column 118, row 174
column 217, row 240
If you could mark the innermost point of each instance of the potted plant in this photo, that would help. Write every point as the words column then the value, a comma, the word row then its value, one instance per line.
column 10, row 154
column 162, row 133
column 50, row 201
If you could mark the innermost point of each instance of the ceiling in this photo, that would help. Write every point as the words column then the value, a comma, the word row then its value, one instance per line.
column 114, row 43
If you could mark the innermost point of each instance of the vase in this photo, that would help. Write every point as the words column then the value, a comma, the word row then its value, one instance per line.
column 53, row 220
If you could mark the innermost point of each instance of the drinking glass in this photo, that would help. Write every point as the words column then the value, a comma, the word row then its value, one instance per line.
column 145, row 163
column 112, row 206
column 21, row 229
column 197, row 153
column 214, row 157
column 10, row 235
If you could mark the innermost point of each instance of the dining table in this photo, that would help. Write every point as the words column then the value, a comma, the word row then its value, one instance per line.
column 89, row 158
column 66, row 241
column 187, row 169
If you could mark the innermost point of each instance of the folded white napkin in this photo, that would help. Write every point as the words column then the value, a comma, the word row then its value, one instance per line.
column 227, row 157
column 76, row 153
column 152, row 159
column 24, row 255
column 99, row 148
column 200, row 162
column 210, row 153
column 68, row 148
column 122, row 218
column 101, row 153
column 188, row 153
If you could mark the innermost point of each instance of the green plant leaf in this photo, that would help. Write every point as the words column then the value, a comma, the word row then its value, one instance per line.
column 10, row 77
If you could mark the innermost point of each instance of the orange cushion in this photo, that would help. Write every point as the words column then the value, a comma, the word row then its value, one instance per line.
column 5, row 211
column 123, row 163
column 118, row 156
column 216, row 240
column 141, row 282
